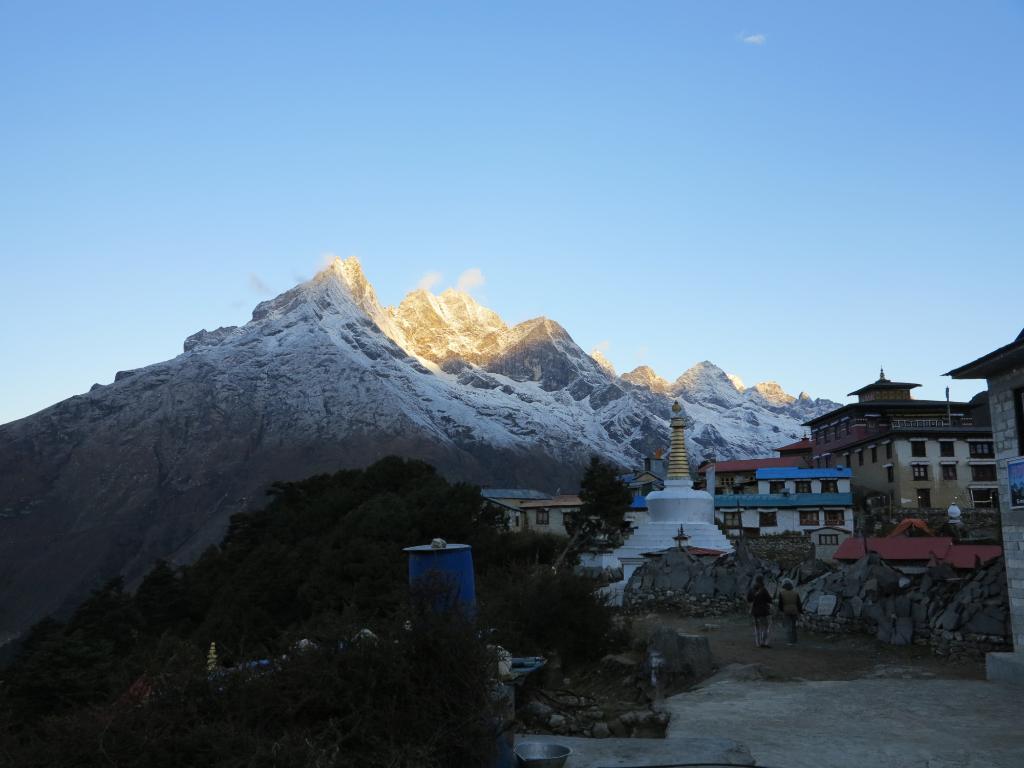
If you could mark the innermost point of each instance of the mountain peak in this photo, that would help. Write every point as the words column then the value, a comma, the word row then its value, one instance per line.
column 604, row 362
column 772, row 392
column 645, row 376
column 736, row 382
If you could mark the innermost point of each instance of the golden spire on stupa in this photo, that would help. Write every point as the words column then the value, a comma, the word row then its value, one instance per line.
column 678, row 463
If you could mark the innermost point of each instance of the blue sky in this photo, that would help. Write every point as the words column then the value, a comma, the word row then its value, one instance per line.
column 796, row 191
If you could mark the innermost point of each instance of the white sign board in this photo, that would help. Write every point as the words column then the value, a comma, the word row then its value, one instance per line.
column 826, row 605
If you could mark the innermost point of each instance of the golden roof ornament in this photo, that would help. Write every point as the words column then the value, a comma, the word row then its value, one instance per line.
column 678, row 463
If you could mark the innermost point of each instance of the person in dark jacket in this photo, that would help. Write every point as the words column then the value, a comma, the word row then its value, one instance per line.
column 760, row 611
column 790, row 607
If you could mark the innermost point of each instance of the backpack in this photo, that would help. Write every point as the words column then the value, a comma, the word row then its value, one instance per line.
column 790, row 602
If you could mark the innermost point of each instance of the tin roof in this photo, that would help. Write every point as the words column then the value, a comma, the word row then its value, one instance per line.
column 563, row 500
column 727, row 501
column 799, row 473
column 993, row 363
column 919, row 548
column 746, row 465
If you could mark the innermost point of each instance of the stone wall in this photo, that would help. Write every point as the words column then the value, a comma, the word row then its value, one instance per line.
column 956, row 617
column 972, row 519
column 1004, row 433
column 706, row 586
column 787, row 551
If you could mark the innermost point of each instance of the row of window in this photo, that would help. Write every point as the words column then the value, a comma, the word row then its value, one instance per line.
column 803, row 486
column 979, row 472
column 980, row 450
column 918, row 449
column 771, row 519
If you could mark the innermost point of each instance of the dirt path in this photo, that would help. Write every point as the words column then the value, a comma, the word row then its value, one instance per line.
column 815, row 657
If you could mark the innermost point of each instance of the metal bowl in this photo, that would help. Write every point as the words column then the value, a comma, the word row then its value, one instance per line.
column 539, row 754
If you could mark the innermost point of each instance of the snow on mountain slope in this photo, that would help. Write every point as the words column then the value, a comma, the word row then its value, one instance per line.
column 603, row 362
column 322, row 377
column 644, row 376
column 769, row 393
column 451, row 325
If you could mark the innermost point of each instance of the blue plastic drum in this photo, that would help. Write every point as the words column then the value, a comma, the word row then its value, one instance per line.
column 448, row 569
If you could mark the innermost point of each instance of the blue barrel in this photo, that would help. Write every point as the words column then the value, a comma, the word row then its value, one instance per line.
column 450, row 567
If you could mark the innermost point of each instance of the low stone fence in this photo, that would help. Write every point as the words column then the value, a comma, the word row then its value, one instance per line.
column 703, row 585
column 684, row 604
column 957, row 616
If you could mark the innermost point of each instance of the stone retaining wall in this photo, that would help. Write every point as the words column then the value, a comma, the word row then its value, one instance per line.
column 787, row 551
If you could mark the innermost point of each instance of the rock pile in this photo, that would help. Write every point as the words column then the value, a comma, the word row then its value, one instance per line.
column 956, row 615
column 568, row 714
column 706, row 586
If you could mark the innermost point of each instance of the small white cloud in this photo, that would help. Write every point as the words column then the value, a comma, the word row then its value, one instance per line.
column 257, row 285
column 602, row 346
column 758, row 39
column 470, row 279
column 326, row 259
column 429, row 280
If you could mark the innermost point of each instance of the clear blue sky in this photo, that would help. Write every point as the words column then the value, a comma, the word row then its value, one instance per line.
column 798, row 191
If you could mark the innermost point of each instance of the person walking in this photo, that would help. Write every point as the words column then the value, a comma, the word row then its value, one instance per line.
column 790, row 607
column 760, row 611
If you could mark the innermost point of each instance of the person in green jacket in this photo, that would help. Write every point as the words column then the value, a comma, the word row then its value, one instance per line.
column 790, row 607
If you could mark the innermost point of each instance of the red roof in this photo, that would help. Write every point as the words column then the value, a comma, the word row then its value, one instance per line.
column 911, row 522
column 703, row 551
column 919, row 548
column 747, row 465
column 964, row 555
column 800, row 445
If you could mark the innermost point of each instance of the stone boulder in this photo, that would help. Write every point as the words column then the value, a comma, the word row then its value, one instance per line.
column 673, row 659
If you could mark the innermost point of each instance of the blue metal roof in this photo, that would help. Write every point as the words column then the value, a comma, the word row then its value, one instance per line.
column 747, row 500
column 793, row 473
column 639, row 502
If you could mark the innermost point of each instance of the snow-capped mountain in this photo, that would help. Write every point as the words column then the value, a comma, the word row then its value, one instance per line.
column 323, row 377
column 644, row 376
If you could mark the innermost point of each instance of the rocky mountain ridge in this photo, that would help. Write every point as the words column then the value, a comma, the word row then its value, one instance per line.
column 323, row 377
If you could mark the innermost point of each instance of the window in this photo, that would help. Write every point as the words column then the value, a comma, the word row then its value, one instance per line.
column 985, row 497
column 828, row 539
column 924, row 498
column 888, row 450
column 981, row 450
column 830, row 486
column 733, row 520
column 803, row 486
column 543, row 517
column 889, row 473
column 860, row 458
column 874, row 454
column 768, row 520
column 776, row 486
column 809, row 518
column 835, row 517
column 920, row 471
column 846, row 427
column 828, row 461
column 946, row 448
column 983, row 472
column 949, row 471
column 917, row 448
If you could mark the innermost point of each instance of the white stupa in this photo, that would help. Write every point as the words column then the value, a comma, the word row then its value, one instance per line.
column 677, row 507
